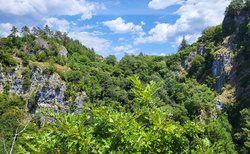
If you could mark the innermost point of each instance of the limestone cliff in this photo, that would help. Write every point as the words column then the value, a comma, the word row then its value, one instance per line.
column 201, row 50
column 47, row 90
column 42, row 44
column 222, row 64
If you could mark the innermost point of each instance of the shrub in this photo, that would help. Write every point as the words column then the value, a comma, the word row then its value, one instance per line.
column 26, row 79
column 197, row 61
column 25, row 61
column 49, row 70
column 32, row 100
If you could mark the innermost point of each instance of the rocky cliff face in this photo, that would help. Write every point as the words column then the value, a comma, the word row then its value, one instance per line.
column 63, row 52
column 222, row 64
column 47, row 90
column 200, row 51
column 186, row 63
column 42, row 44
column 13, row 78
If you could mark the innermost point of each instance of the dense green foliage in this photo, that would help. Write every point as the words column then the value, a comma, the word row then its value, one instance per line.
column 163, row 109
column 11, row 112
column 149, row 129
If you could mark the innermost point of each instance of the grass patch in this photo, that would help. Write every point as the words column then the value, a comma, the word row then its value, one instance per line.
column 47, row 64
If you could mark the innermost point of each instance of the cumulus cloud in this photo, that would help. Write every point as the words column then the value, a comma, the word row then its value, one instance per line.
column 195, row 15
column 119, row 26
column 162, row 4
column 123, row 48
column 132, row 51
column 143, row 23
column 16, row 7
column 158, row 34
column 158, row 54
column 57, row 24
column 5, row 29
column 90, row 40
column 126, row 48
column 121, row 39
column 50, row 7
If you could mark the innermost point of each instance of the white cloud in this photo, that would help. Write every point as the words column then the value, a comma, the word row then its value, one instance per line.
column 195, row 15
column 158, row 54
column 123, row 48
column 132, row 51
column 117, row 53
column 77, row 28
column 162, row 4
column 16, row 7
column 98, row 33
column 90, row 40
column 119, row 26
column 121, row 38
column 51, row 7
column 5, row 29
column 88, row 27
column 158, row 34
column 126, row 48
column 57, row 24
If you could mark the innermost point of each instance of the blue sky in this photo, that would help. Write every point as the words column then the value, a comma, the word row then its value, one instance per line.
column 153, row 27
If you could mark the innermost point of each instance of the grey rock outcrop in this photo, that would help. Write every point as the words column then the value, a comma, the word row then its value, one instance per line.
column 48, row 89
column 42, row 44
column 186, row 63
column 14, row 79
column 222, row 64
column 218, row 104
column 63, row 52
column 202, row 50
column 80, row 99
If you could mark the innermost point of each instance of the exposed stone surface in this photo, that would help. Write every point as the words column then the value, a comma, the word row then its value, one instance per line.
column 14, row 79
column 80, row 99
column 202, row 50
column 218, row 104
column 223, row 62
column 49, row 89
column 42, row 44
column 63, row 52
column 186, row 63
column 236, row 21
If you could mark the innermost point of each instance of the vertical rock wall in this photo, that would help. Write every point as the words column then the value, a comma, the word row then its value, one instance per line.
column 222, row 64
column 48, row 89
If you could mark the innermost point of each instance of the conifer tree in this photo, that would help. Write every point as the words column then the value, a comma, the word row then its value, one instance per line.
column 183, row 44
column 25, row 30
column 14, row 30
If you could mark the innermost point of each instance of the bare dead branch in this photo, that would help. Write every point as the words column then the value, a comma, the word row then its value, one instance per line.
column 16, row 134
column 4, row 146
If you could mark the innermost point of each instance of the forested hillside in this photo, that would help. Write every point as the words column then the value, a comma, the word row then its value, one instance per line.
column 58, row 96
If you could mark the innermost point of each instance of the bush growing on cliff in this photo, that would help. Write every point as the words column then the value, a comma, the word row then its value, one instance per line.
column 49, row 70
column 26, row 78
column 6, row 59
